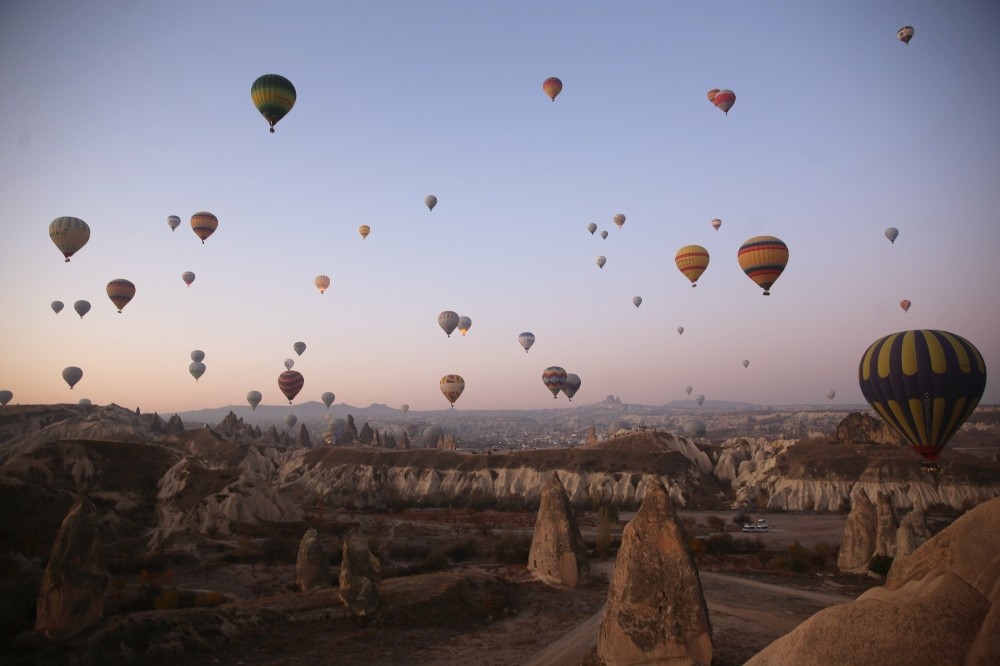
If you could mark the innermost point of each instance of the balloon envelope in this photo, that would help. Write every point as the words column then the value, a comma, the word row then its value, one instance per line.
column 404, row 408
column 254, row 398
column 364, row 230
column 72, row 375
column 905, row 34
column 448, row 321
column 204, row 225
column 328, row 399
column 322, row 283
column 430, row 201
column 905, row 304
column 173, row 222
column 464, row 324
column 680, row 330
column 600, row 261
column 572, row 385
column 197, row 369
column 121, row 292
column 554, row 379
column 763, row 258
column 892, row 233
column 290, row 420
column 82, row 308
column 56, row 306
column 699, row 399
column 290, row 383
column 526, row 339
column 688, row 389
column 716, row 223
column 5, row 397
column 692, row 260
column 84, row 402
column 289, row 363
column 695, row 428
column 724, row 99
column 69, row 234
column 619, row 220
column 188, row 277
column 452, row 387
column 552, row 87
column 604, row 235
column 299, row 347
column 711, row 95
column 274, row 96
column 746, row 363
column 831, row 394
column 637, row 301
column 591, row 228
column 197, row 356
column 924, row 384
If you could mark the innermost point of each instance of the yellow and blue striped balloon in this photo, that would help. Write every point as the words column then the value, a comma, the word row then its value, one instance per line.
column 924, row 384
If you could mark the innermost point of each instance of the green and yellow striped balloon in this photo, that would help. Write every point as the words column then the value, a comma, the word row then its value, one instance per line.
column 274, row 96
column 924, row 384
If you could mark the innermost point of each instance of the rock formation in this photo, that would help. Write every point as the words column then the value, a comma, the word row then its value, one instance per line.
column 940, row 605
column 446, row 443
column 360, row 573
column 557, row 555
column 912, row 534
column 71, row 596
column 885, row 526
column 174, row 426
column 312, row 567
column 366, row 435
column 858, row 543
column 302, row 439
column 156, row 425
column 404, row 441
column 656, row 611
column 591, row 436
column 857, row 427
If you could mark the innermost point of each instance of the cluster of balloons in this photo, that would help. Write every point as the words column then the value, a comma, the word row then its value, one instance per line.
column 197, row 368
column 722, row 99
column 556, row 379
column 449, row 321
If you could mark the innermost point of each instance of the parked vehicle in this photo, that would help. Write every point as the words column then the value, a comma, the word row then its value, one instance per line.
column 759, row 526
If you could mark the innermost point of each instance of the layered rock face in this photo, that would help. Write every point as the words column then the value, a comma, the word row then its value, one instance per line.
column 656, row 611
column 71, row 596
column 312, row 566
column 360, row 572
column 557, row 555
column 940, row 605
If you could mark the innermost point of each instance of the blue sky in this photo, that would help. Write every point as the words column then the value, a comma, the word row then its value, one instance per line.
column 122, row 113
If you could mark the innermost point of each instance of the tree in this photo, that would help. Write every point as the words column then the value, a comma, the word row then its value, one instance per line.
column 880, row 565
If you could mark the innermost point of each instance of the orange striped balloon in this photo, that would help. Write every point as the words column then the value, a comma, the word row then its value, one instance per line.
column 692, row 260
column 204, row 224
column 552, row 87
column 120, row 292
column 763, row 258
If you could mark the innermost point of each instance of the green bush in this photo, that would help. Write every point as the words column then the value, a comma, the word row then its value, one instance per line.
column 880, row 565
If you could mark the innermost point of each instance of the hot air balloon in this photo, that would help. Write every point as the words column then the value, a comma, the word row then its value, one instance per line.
column 711, row 95
column 328, row 399
column 680, row 330
column 830, row 395
column 82, row 308
column 69, row 234
column 452, row 387
column 526, row 339
column 746, row 363
column 724, row 100
column 699, row 399
column 464, row 324
column 204, row 225
column 430, row 201
column 289, row 363
column 188, row 277
column 637, row 301
column 290, row 382
column 600, row 261
column 604, row 235
column 197, row 356
column 692, row 260
column 924, row 384
column 554, row 379
column 905, row 304
column 716, row 223
column 197, row 369
column 290, row 420
column 299, row 347
column 72, row 375
column 56, row 306
column 448, row 321
column 173, row 222
column 688, row 389
column 404, row 408
column 694, row 428
column 619, row 220
column 571, row 386
column 892, row 233
column 591, row 228
column 5, row 397
column 254, row 398
column 763, row 258
column 274, row 96
column 905, row 34
column 120, row 291
column 364, row 230
column 322, row 283
column 552, row 87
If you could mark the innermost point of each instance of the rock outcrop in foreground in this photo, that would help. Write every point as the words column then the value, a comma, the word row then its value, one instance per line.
column 312, row 566
column 940, row 605
column 360, row 572
column 656, row 611
column 557, row 555
column 75, row 582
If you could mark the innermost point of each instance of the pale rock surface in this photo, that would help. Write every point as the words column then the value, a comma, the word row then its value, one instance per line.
column 885, row 526
column 857, row 427
column 656, row 611
column 75, row 582
column 858, row 543
column 446, row 443
column 912, row 533
column 312, row 566
column 557, row 555
column 360, row 573
column 940, row 605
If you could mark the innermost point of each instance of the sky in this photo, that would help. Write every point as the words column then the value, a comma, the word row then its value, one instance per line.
column 122, row 113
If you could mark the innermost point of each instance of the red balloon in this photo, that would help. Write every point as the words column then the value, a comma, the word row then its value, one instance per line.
column 290, row 382
column 552, row 87
column 724, row 99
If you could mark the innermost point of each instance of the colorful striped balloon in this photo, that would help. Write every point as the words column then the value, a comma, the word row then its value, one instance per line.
column 274, row 96
column 452, row 387
column 322, row 283
column 290, row 382
column 69, row 234
column 552, row 87
column 724, row 100
column 924, row 384
column 204, row 225
column 711, row 95
column 120, row 291
column 554, row 379
column 763, row 258
column 692, row 260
